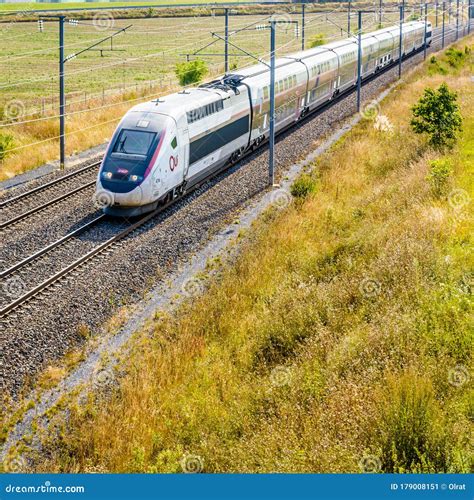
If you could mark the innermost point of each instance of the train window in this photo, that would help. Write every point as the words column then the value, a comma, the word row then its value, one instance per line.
column 197, row 114
column 134, row 142
column 265, row 92
column 174, row 143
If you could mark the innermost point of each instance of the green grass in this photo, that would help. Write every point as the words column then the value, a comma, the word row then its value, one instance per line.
column 340, row 341
column 13, row 7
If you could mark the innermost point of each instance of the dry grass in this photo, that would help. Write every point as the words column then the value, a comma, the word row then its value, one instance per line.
column 339, row 341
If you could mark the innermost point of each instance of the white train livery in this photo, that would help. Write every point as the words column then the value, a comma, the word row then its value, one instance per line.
column 163, row 148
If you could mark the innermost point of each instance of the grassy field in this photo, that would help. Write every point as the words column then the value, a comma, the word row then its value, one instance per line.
column 100, row 87
column 13, row 7
column 339, row 341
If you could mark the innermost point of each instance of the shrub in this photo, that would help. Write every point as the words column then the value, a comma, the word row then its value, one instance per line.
column 440, row 172
column 455, row 57
column 191, row 72
column 317, row 40
column 303, row 186
column 410, row 434
column 6, row 143
column 437, row 114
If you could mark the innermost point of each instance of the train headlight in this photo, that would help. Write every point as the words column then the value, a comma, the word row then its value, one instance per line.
column 135, row 178
column 107, row 175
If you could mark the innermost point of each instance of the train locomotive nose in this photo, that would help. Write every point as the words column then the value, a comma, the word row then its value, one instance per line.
column 107, row 199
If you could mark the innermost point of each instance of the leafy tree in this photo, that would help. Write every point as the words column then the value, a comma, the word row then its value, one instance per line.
column 317, row 40
column 191, row 72
column 437, row 114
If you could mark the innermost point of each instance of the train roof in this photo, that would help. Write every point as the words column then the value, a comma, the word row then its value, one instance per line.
column 224, row 87
column 182, row 101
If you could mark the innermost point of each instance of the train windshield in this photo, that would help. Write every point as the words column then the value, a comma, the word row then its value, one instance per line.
column 134, row 142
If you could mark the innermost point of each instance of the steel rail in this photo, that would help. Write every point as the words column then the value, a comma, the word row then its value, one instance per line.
column 50, row 247
column 39, row 208
column 47, row 185
column 74, row 265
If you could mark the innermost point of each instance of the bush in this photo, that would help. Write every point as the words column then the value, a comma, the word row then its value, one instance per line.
column 410, row 434
column 440, row 172
column 317, row 40
column 6, row 143
column 437, row 114
column 455, row 57
column 191, row 72
column 303, row 186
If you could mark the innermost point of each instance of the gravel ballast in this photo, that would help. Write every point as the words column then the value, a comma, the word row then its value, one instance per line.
column 46, row 329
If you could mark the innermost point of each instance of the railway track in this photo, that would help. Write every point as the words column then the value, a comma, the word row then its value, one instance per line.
column 13, row 274
column 15, row 203
column 9, row 309
column 46, row 324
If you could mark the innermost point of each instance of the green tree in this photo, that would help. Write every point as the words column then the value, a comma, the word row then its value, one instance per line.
column 191, row 72
column 437, row 114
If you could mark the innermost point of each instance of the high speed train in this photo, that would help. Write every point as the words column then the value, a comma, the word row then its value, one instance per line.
column 164, row 147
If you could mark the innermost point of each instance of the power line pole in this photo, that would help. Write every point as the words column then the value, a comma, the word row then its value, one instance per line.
column 426, row 27
column 62, row 96
column 436, row 14
column 359, row 58
column 302, row 24
column 271, row 164
column 226, row 35
column 469, row 18
column 380, row 12
column 443, row 26
column 457, row 19
column 349, row 17
column 400, row 41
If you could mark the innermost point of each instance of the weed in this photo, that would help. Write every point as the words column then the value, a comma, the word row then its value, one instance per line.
column 303, row 186
column 6, row 143
column 440, row 173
